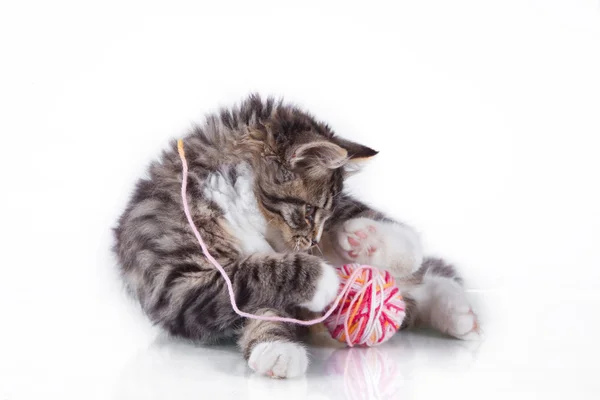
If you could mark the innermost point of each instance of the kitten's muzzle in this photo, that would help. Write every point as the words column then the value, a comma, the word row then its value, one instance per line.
column 303, row 242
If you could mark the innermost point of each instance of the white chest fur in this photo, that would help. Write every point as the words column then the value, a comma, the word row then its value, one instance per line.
column 237, row 199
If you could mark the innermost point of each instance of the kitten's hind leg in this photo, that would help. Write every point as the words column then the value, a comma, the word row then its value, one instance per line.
column 436, row 298
column 271, row 348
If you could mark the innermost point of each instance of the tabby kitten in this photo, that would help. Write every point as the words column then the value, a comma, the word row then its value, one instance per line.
column 265, row 190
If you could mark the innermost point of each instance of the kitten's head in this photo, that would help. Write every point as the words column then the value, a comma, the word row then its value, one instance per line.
column 302, row 172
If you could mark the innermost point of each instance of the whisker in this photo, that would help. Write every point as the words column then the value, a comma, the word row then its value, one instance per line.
column 337, row 194
column 318, row 248
column 335, row 208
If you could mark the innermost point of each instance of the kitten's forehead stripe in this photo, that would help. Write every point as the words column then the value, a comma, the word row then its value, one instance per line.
column 284, row 199
column 328, row 202
column 324, row 195
column 334, row 188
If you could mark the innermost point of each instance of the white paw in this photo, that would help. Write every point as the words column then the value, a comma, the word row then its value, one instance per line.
column 449, row 309
column 326, row 291
column 465, row 326
column 279, row 359
column 382, row 244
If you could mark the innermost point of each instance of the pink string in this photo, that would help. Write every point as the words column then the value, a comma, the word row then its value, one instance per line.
column 218, row 266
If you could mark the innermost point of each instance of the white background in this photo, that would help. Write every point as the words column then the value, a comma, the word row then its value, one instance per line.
column 486, row 115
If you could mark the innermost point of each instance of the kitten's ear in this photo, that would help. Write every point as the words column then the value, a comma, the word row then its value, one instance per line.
column 317, row 157
column 358, row 155
column 355, row 151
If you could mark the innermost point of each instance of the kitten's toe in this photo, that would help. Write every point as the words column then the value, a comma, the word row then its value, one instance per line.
column 358, row 240
column 361, row 226
column 279, row 359
column 465, row 326
column 345, row 241
column 326, row 289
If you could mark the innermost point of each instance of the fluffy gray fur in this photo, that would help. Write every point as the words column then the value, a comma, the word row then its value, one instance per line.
column 266, row 190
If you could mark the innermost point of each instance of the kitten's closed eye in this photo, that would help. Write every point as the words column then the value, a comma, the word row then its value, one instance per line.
column 309, row 213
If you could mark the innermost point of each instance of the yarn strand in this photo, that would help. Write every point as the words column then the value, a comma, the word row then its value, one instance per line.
column 355, row 276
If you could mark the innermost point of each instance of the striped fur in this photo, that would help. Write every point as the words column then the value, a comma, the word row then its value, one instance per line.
column 263, row 160
column 265, row 187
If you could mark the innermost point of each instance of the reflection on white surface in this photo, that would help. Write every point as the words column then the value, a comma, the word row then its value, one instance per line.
column 365, row 373
column 171, row 367
column 536, row 344
column 486, row 115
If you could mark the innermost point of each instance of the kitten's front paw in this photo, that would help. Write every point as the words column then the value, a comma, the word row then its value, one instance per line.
column 279, row 359
column 360, row 241
column 326, row 289
column 382, row 244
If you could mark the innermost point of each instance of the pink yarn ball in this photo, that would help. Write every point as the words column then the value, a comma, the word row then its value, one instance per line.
column 371, row 309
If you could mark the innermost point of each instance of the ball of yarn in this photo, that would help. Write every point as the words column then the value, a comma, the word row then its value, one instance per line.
column 371, row 309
